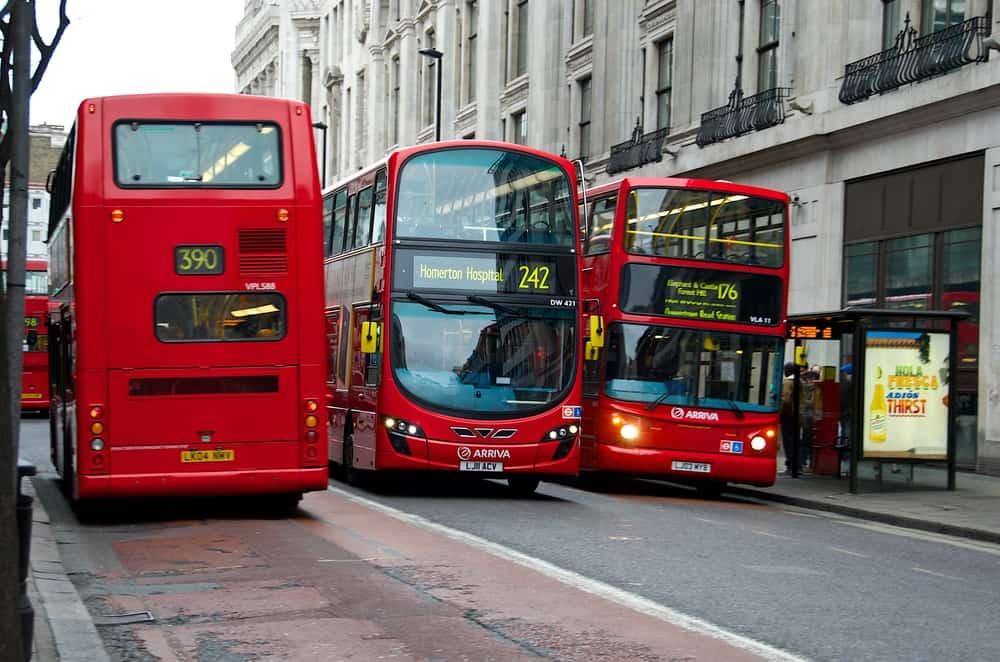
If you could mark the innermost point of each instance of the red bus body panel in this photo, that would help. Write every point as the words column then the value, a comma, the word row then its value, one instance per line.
column 159, row 400
column 671, row 434
column 363, row 276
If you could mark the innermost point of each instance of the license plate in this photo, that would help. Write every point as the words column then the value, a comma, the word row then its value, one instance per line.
column 698, row 467
column 481, row 466
column 31, row 396
column 208, row 456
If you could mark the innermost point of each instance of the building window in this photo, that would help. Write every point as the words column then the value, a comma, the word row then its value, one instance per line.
column 767, row 48
column 472, row 11
column 908, row 280
column 585, row 119
column 939, row 14
column 583, row 19
column 664, row 81
column 521, row 47
column 520, row 122
column 36, row 203
column 890, row 23
column 36, row 235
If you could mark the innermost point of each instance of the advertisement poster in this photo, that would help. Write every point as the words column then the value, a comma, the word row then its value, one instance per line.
column 906, row 395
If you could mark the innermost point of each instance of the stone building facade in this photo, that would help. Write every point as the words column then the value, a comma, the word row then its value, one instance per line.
column 46, row 144
column 879, row 117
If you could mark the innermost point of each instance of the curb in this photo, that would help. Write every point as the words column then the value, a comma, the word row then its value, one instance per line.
column 72, row 629
column 875, row 516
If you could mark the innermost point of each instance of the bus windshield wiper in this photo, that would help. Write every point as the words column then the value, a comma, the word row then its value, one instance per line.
column 483, row 301
column 413, row 296
column 736, row 408
column 659, row 399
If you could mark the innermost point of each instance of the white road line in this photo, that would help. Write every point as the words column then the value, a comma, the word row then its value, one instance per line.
column 568, row 577
column 847, row 551
column 798, row 514
column 711, row 521
column 937, row 574
column 772, row 535
column 974, row 545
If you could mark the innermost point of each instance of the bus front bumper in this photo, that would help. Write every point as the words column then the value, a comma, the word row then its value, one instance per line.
column 747, row 468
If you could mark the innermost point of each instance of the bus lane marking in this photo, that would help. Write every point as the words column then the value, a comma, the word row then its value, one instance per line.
column 850, row 553
column 580, row 582
column 937, row 574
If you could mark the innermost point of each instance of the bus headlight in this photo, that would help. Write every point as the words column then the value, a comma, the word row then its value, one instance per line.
column 758, row 443
column 629, row 432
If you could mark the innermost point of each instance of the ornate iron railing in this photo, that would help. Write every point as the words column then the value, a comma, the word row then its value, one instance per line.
column 915, row 58
column 743, row 115
column 636, row 151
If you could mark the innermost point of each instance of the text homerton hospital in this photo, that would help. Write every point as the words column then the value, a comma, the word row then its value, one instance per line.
column 470, row 273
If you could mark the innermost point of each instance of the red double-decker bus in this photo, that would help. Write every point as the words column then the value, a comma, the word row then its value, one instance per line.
column 35, row 366
column 452, row 280
column 690, row 279
column 186, row 272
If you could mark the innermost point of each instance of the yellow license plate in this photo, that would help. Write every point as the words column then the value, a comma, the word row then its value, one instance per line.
column 31, row 396
column 208, row 456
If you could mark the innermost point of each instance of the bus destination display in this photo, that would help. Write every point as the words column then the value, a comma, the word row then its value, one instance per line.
column 490, row 273
column 706, row 295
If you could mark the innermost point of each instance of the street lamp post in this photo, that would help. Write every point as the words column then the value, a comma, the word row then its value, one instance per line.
column 436, row 55
column 322, row 127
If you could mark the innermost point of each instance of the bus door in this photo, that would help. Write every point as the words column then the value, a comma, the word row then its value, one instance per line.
column 364, row 382
column 337, row 341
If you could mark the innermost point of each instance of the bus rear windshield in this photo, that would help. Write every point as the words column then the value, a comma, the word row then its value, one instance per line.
column 197, row 154
column 480, row 194
column 219, row 316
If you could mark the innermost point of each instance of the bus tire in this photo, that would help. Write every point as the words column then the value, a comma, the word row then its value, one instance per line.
column 523, row 486
column 352, row 476
column 288, row 503
column 710, row 490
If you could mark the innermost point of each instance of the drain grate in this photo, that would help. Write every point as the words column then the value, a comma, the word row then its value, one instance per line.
column 125, row 619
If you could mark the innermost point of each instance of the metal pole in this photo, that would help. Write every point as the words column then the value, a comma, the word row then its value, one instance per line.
column 437, row 110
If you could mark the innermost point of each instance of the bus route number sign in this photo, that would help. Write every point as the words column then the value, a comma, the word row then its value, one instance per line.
column 198, row 260
column 31, row 322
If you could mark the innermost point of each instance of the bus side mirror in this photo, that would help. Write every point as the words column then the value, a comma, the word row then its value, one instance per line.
column 370, row 332
column 596, row 331
column 590, row 352
column 49, row 181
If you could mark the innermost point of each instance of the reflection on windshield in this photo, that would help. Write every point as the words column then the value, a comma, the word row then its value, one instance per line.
column 485, row 195
column 490, row 360
column 705, row 225
column 676, row 366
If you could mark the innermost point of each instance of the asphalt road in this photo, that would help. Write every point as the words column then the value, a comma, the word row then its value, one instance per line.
column 818, row 586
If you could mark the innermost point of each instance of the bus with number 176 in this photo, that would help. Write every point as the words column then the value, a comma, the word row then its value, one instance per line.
column 690, row 277
column 453, row 330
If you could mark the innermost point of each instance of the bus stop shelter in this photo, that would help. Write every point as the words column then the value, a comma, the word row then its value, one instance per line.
column 901, row 384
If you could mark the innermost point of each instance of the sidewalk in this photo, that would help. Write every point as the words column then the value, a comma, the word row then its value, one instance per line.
column 65, row 631
column 918, row 501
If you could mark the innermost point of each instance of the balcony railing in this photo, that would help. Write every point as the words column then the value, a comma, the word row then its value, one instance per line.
column 743, row 115
column 639, row 150
column 912, row 59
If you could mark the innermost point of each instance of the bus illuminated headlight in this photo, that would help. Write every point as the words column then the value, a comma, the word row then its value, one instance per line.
column 758, row 443
column 573, row 429
column 390, row 422
column 562, row 432
column 399, row 426
column 97, row 444
column 629, row 432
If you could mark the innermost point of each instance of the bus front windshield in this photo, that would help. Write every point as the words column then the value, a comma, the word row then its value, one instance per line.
column 481, row 194
column 676, row 366
column 705, row 225
column 486, row 360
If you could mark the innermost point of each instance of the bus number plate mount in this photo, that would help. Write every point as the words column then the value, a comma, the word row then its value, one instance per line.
column 490, row 467
column 198, row 260
column 697, row 467
column 217, row 455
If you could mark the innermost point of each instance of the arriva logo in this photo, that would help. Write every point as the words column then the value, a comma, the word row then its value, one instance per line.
column 466, row 453
column 693, row 415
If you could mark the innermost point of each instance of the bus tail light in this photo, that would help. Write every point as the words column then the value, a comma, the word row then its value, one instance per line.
column 97, row 444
